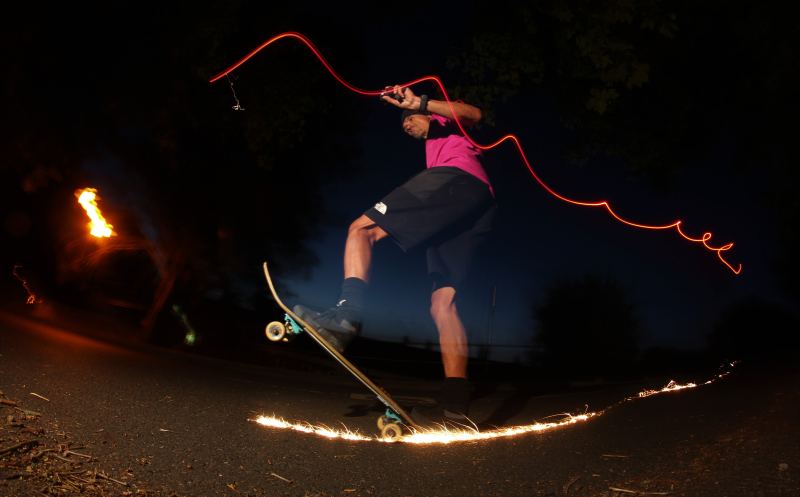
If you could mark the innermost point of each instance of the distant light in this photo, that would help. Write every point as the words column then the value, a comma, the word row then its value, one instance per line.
column 191, row 335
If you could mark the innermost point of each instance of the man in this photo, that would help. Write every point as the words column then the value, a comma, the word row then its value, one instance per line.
column 448, row 209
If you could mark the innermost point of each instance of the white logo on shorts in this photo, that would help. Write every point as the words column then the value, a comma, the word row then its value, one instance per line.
column 381, row 207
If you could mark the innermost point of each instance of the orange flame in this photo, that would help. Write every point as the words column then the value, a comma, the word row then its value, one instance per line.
column 98, row 227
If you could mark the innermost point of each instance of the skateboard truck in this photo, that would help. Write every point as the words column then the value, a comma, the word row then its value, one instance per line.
column 283, row 332
column 390, row 425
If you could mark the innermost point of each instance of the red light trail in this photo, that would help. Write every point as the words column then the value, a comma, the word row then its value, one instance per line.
column 677, row 225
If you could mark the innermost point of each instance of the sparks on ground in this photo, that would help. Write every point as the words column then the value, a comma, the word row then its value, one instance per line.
column 446, row 435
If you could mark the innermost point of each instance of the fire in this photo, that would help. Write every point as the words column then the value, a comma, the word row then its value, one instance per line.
column 98, row 226
column 446, row 435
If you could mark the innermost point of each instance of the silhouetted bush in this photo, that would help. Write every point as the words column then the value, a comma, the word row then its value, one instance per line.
column 754, row 328
column 587, row 328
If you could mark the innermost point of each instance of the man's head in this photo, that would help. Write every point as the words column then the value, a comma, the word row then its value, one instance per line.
column 416, row 124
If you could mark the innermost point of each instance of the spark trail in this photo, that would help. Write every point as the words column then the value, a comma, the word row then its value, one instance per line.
column 448, row 435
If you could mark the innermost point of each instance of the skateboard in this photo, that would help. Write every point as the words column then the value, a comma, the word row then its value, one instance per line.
column 395, row 422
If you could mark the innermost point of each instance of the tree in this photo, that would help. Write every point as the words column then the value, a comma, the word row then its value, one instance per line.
column 594, row 59
column 587, row 328
column 127, row 103
column 667, row 89
column 757, row 329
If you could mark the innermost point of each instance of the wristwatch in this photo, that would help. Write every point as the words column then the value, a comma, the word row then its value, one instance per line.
column 423, row 104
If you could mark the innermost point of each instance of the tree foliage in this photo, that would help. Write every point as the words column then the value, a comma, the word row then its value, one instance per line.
column 125, row 105
column 754, row 328
column 668, row 89
column 587, row 327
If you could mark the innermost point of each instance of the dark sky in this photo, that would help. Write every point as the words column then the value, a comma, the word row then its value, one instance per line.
column 678, row 288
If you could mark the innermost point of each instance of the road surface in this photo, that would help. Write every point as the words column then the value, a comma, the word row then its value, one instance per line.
column 120, row 420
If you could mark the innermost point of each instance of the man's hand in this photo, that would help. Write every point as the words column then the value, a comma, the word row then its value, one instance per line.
column 404, row 98
column 401, row 97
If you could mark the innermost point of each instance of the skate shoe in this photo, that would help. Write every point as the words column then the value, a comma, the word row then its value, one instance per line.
column 337, row 325
column 437, row 417
column 450, row 410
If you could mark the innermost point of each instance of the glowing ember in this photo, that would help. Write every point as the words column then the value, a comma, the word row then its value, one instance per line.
column 446, row 435
column 32, row 298
column 671, row 387
column 98, row 226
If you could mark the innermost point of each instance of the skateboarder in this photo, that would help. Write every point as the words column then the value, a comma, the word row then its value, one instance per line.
column 448, row 209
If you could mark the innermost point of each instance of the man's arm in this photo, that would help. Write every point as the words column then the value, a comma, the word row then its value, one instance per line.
column 466, row 113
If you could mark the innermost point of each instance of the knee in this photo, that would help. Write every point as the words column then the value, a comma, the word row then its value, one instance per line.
column 360, row 226
column 442, row 304
column 366, row 228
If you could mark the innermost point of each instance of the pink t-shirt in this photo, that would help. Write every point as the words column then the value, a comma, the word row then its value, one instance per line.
column 446, row 146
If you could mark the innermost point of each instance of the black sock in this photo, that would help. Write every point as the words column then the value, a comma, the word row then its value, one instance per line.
column 352, row 297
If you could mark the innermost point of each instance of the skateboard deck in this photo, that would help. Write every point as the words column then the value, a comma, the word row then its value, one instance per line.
column 391, row 424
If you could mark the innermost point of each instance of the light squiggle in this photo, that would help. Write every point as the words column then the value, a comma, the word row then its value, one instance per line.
column 677, row 225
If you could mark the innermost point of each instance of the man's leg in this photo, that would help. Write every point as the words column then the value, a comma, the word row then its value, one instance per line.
column 448, row 264
column 452, row 335
column 361, row 237
column 340, row 324
column 452, row 402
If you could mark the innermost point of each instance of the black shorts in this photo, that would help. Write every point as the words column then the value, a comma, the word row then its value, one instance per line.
column 444, row 209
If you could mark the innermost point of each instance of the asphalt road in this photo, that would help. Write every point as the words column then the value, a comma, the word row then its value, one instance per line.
column 169, row 423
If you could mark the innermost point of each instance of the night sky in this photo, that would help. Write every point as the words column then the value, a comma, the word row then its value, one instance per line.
column 123, row 102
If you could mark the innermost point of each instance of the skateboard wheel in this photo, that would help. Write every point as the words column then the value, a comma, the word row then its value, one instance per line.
column 391, row 432
column 382, row 422
column 275, row 331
